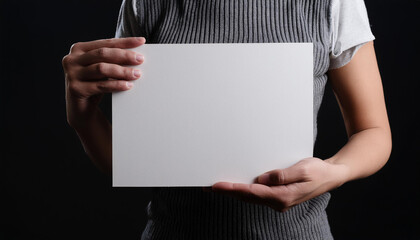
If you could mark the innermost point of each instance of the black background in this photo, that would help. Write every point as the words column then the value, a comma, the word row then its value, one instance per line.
column 50, row 189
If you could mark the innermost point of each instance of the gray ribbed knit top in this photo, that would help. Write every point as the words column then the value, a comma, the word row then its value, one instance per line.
column 190, row 213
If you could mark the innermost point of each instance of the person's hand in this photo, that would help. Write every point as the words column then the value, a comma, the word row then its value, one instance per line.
column 281, row 189
column 94, row 68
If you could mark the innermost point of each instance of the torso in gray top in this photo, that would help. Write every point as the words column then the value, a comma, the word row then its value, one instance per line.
column 190, row 213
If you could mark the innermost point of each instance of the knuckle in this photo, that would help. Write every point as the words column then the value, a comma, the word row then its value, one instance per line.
column 129, row 55
column 275, row 178
column 75, row 47
column 121, row 84
column 102, row 86
column 101, row 68
column 67, row 60
column 73, row 88
column 304, row 170
column 128, row 73
column 109, row 41
column 102, row 52
column 108, row 86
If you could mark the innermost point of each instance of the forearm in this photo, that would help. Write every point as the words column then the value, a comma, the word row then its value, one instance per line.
column 365, row 153
column 358, row 88
column 96, row 137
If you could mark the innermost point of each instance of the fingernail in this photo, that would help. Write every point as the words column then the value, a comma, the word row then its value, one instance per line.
column 139, row 58
column 140, row 38
column 136, row 73
column 129, row 84
column 263, row 178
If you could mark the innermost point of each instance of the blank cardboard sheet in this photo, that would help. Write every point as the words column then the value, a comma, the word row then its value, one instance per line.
column 203, row 113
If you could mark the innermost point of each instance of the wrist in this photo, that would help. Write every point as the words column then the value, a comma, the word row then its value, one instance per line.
column 85, row 120
column 340, row 171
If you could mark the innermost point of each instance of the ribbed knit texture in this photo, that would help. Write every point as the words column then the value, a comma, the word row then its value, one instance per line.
column 190, row 213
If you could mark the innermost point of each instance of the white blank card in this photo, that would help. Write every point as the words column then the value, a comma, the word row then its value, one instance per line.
column 203, row 113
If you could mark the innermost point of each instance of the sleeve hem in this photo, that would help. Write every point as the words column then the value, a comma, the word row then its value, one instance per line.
column 346, row 56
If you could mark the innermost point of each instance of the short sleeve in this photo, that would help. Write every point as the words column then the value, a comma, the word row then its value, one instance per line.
column 130, row 20
column 350, row 29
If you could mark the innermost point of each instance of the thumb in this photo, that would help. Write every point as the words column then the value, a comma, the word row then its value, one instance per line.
column 282, row 176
